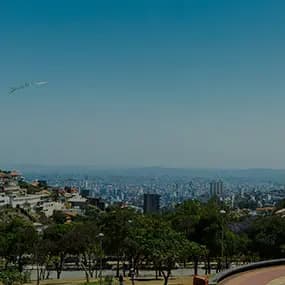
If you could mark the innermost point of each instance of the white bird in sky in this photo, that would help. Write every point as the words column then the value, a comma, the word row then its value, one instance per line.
column 27, row 84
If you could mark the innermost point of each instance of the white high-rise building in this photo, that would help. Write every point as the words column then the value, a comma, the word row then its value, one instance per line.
column 216, row 188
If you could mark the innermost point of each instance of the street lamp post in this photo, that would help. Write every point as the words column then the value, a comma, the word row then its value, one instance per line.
column 223, row 212
column 131, row 265
column 100, row 236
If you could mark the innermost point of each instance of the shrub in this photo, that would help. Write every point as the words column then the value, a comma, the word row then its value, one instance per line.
column 13, row 277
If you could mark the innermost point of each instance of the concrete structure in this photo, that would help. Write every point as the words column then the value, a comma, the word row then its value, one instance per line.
column 27, row 200
column 151, row 203
column 77, row 203
column 265, row 211
column 216, row 188
column 97, row 202
column 4, row 200
column 48, row 208
column 239, row 275
column 11, row 186
column 264, row 276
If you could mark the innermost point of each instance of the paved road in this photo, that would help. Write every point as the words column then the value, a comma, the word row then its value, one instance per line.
column 143, row 273
column 274, row 275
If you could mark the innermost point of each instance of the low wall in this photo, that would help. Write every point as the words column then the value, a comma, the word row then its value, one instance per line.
column 200, row 280
column 224, row 274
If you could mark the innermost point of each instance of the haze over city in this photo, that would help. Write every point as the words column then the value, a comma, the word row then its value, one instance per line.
column 143, row 83
column 142, row 142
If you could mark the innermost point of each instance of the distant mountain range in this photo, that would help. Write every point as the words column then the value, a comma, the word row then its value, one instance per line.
column 277, row 175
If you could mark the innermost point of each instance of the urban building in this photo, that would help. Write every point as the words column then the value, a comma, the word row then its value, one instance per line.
column 151, row 203
column 4, row 200
column 48, row 208
column 26, row 201
column 97, row 202
column 77, row 202
column 85, row 193
column 216, row 188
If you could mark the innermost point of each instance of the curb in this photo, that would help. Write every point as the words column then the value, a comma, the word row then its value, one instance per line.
column 224, row 274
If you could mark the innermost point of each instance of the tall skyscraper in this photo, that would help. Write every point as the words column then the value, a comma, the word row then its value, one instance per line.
column 151, row 203
column 216, row 188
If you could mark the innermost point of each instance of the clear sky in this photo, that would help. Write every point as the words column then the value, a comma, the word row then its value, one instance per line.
column 192, row 83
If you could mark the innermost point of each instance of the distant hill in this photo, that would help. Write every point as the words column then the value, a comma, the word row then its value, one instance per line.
column 258, row 174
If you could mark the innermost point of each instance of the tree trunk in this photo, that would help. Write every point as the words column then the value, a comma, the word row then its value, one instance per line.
column 86, row 271
column 20, row 264
column 206, row 267
column 58, row 271
column 218, row 269
column 136, row 266
column 130, row 262
column 166, row 280
column 38, row 274
column 209, row 265
column 42, row 274
column 90, row 266
column 38, row 277
column 118, row 267
column 124, row 268
column 87, row 277
column 166, row 276
column 195, row 266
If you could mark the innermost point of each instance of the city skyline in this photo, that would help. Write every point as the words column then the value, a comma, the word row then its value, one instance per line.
column 144, row 83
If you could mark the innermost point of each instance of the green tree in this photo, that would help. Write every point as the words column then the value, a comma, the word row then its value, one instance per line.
column 116, row 226
column 58, row 217
column 12, row 276
column 280, row 205
column 267, row 236
column 17, row 237
column 58, row 244
column 197, row 252
column 31, row 189
column 186, row 217
column 85, row 243
column 209, row 231
column 164, row 247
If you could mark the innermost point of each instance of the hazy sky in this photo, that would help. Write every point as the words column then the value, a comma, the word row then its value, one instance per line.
column 142, row 83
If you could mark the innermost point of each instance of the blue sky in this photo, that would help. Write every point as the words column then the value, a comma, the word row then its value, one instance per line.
column 192, row 83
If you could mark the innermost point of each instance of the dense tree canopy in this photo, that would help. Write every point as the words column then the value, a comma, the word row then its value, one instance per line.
column 194, row 231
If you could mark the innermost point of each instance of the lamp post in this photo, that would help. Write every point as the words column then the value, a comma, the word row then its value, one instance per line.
column 100, row 237
column 223, row 212
column 132, row 262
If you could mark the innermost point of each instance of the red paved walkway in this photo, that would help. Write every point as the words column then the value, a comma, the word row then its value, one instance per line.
column 257, row 277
